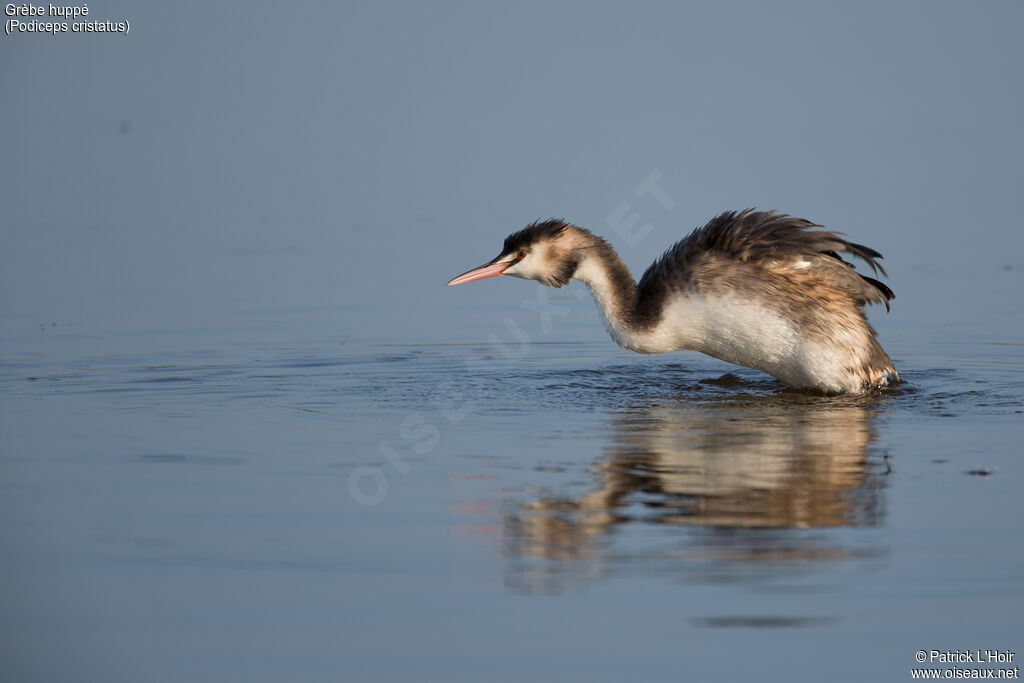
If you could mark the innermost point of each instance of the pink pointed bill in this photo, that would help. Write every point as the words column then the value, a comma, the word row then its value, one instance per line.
column 486, row 270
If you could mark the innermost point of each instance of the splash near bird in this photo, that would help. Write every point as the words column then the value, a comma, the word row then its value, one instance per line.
column 755, row 288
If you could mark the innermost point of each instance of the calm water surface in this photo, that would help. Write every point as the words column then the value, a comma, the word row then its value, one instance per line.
column 353, row 510
column 246, row 434
column 433, row 484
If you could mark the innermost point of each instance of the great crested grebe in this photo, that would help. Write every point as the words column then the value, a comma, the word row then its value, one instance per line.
column 754, row 288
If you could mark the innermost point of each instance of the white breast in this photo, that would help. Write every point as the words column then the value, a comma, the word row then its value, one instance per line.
column 741, row 331
column 746, row 333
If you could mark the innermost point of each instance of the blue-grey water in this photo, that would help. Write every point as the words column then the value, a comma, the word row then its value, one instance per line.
column 279, row 497
column 246, row 433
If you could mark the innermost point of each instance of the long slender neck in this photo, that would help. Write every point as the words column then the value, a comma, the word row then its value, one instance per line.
column 613, row 288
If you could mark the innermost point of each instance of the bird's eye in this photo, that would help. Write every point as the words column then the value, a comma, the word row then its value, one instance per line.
column 521, row 254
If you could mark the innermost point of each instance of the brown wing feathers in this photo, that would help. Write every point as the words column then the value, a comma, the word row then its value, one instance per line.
column 776, row 241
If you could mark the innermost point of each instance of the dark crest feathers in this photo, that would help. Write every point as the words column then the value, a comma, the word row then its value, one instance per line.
column 533, row 233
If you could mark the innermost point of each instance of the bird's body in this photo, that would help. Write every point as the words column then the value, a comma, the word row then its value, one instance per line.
column 759, row 289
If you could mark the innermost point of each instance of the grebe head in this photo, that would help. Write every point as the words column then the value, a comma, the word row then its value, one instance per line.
column 545, row 251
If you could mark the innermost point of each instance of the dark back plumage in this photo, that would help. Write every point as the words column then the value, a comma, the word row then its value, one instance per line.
column 733, row 242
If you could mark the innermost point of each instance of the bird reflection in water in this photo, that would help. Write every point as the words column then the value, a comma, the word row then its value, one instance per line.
column 747, row 490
